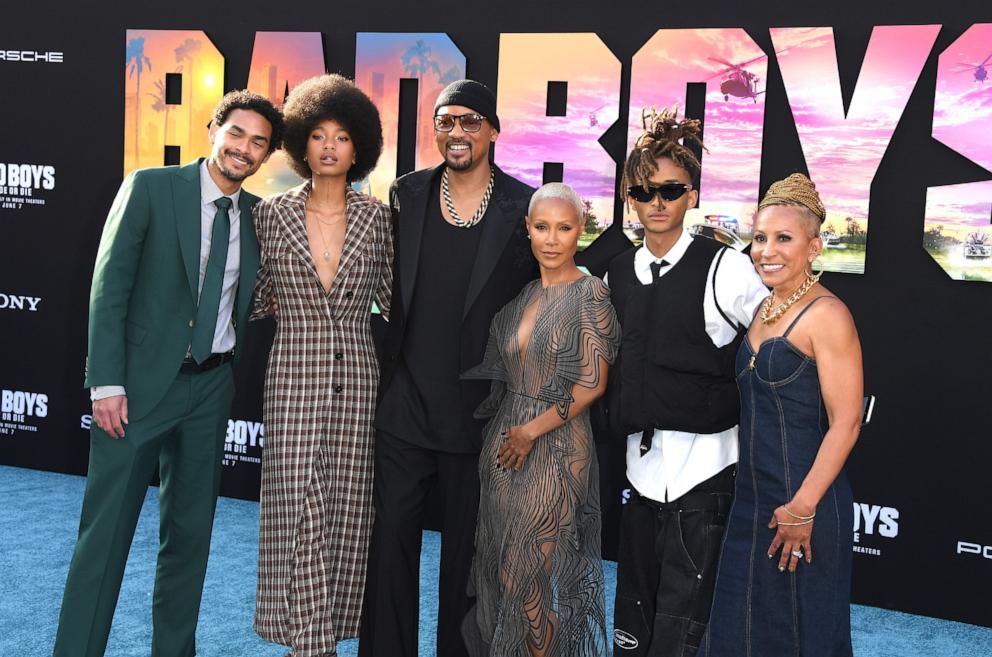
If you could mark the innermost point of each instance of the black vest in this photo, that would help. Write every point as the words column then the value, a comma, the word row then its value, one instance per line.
column 671, row 375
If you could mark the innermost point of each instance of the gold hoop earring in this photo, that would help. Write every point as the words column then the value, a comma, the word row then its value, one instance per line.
column 812, row 272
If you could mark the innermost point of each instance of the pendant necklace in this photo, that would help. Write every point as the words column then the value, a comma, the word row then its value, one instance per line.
column 327, row 252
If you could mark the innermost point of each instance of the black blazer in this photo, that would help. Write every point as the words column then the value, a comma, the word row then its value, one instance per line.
column 504, row 264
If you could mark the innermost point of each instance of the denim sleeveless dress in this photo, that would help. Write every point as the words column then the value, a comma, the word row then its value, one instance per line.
column 757, row 610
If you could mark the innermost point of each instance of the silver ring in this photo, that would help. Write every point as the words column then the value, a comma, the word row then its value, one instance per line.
column 798, row 554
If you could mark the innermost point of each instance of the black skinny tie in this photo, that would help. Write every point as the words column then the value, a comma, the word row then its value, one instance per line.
column 648, row 433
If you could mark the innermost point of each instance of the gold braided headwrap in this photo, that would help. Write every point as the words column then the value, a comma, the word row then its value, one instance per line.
column 797, row 189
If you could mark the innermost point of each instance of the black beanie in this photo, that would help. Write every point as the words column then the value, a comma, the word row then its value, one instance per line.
column 471, row 94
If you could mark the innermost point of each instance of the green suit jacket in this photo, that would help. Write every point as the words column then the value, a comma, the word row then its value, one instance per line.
column 144, row 293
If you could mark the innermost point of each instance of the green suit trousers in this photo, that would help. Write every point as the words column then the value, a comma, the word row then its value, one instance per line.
column 184, row 435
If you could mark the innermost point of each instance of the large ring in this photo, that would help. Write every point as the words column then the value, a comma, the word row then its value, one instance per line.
column 798, row 554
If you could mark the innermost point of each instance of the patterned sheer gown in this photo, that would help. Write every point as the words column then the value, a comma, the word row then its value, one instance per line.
column 537, row 574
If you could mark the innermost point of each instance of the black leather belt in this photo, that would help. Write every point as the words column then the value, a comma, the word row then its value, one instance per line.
column 190, row 366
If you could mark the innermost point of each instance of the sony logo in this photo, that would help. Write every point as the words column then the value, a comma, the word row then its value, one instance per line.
column 965, row 547
column 18, row 302
column 30, row 56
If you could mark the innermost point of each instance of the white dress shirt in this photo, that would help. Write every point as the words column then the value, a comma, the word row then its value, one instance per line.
column 677, row 460
column 224, row 333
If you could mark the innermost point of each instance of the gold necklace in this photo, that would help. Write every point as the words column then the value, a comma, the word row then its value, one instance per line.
column 770, row 317
column 316, row 214
column 328, row 223
column 313, row 213
column 327, row 251
column 320, row 231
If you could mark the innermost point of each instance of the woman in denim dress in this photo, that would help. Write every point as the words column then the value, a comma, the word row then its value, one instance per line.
column 783, row 586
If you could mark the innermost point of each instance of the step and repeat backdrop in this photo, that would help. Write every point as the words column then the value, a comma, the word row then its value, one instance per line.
column 888, row 108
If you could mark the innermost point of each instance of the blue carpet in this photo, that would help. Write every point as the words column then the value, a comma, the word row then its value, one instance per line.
column 38, row 522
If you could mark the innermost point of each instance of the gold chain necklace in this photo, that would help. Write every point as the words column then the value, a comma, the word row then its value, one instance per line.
column 313, row 213
column 770, row 317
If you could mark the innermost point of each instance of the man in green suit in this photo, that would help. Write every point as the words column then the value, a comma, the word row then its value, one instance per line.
column 171, row 292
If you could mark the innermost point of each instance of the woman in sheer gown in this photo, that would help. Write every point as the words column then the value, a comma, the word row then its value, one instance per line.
column 537, row 574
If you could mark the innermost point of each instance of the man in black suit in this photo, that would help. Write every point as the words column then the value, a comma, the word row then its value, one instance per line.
column 461, row 254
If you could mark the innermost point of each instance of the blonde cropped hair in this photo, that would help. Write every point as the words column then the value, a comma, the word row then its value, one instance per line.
column 560, row 191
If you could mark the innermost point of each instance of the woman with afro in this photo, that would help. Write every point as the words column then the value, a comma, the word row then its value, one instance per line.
column 326, row 256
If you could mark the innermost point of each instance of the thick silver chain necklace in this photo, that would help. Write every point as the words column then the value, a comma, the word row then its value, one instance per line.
column 477, row 217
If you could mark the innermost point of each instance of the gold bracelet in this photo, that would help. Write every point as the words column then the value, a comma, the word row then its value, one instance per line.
column 795, row 524
column 798, row 517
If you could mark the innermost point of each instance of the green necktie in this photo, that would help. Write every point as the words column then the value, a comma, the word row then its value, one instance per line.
column 201, row 346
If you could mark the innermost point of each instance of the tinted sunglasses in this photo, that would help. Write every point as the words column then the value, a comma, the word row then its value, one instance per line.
column 667, row 191
column 470, row 122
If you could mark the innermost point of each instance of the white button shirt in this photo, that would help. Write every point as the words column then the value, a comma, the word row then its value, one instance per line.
column 679, row 461
column 224, row 333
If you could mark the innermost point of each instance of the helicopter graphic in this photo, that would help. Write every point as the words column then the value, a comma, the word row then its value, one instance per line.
column 737, row 80
column 978, row 70
column 593, row 119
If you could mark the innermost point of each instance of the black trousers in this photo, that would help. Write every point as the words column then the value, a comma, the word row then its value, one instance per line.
column 404, row 476
column 666, row 569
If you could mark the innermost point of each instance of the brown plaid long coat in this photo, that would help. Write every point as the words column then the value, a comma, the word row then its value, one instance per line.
column 320, row 390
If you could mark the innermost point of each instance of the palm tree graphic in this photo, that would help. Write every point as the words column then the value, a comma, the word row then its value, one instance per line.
column 159, row 104
column 417, row 61
column 187, row 52
column 454, row 73
column 135, row 61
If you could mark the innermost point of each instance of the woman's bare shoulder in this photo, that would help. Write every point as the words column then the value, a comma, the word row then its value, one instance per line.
column 831, row 318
